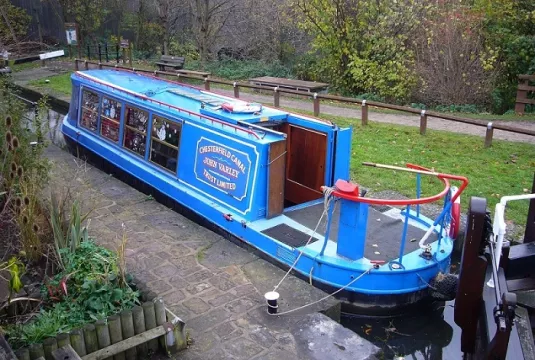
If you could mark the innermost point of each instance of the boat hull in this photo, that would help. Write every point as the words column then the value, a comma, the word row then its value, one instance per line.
column 379, row 292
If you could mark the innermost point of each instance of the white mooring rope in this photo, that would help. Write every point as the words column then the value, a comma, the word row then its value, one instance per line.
column 325, row 297
column 327, row 198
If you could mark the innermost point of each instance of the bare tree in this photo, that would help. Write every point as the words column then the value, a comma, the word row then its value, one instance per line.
column 452, row 61
column 210, row 16
column 168, row 15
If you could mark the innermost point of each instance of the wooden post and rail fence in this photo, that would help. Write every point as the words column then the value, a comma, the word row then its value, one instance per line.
column 316, row 97
column 132, row 334
column 522, row 94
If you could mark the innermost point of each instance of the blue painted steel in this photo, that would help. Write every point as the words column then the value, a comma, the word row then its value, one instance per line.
column 418, row 192
column 404, row 234
column 222, row 167
column 222, row 170
column 352, row 229
column 342, row 154
column 328, row 229
column 225, row 169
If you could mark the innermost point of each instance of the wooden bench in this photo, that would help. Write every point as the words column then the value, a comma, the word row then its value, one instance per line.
column 308, row 86
column 175, row 62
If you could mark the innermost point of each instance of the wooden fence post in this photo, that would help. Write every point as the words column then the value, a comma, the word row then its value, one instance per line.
column 316, row 105
column 364, row 109
column 236, row 90
column 23, row 354
column 423, row 122
column 63, row 340
column 76, row 65
column 90, row 338
column 206, row 84
column 116, row 334
column 77, row 341
column 36, row 350
column 521, row 94
column 276, row 97
column 50, row 345
column 127, row 324
column 103, row 334
column 139, row 327
column 150, row 323
column 489, row 134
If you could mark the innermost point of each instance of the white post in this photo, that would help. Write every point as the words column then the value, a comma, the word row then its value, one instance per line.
column 499, row 227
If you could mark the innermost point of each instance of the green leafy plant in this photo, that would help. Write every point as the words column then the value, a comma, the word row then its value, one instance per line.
column 88, row 289
column 68, row 231
column 15, row 268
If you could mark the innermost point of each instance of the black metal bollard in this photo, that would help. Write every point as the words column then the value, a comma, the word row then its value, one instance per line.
column 99, row 53
column 272, row 298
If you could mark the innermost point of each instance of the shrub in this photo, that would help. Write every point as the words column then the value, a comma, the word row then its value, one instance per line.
column 23, row 172
column 90, row 288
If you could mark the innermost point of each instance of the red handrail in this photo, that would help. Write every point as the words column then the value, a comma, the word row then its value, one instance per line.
column 144, row 97
column 354, row 195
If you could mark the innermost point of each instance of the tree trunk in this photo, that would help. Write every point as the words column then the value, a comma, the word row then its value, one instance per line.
column 6, row 19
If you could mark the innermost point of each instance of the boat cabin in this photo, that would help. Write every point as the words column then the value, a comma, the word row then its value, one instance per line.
column 255, row 163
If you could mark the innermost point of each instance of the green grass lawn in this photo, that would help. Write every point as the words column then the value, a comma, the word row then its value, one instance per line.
column 506, row 168
column 58, row 83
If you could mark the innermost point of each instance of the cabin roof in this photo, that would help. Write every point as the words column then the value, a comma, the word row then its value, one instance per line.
column 186, row 97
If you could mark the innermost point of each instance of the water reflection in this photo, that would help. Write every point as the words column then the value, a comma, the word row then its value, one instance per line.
column 427, row 336
column 54, row 120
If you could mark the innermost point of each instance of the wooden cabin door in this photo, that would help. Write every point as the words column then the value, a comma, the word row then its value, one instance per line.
column 305, row 166
column 276, row 178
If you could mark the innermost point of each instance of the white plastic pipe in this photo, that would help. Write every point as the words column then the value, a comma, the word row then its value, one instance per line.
column 499, row 226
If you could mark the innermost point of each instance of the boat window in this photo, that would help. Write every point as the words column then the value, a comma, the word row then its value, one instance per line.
column 110, row 117
column 165, row 139
column 89, row 118
column 135, row 130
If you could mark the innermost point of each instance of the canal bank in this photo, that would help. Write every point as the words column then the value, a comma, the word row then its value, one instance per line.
column 216, row 287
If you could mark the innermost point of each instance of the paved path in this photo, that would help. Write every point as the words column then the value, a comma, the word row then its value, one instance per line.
column 354, row 112
column 347, row 111
column 212, row 284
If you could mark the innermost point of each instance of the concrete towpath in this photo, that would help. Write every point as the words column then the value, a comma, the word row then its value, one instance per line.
column 215, row 286
column 56, row 67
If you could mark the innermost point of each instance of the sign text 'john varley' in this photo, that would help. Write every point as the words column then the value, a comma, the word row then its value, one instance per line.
column 222, row 167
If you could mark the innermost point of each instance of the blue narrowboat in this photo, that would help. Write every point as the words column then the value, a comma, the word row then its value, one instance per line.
column 277, row 181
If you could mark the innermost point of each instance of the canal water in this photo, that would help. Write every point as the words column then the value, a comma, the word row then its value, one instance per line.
column 431, row 335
